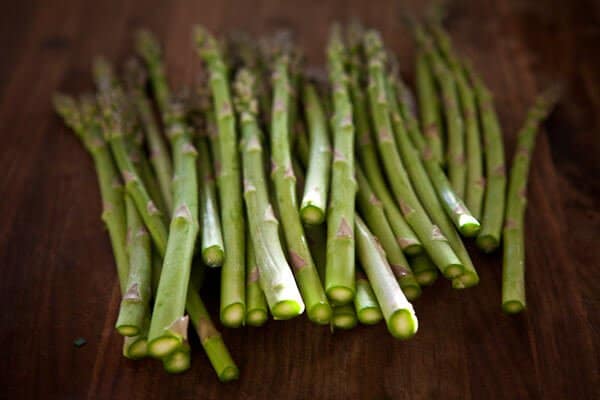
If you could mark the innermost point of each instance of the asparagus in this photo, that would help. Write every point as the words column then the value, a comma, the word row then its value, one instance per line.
column 427, row 194
column 339, row 273
column 275, row 274
column 282, row 173
column 433, row 240
column 494, row 201
column 372, row 211
column 256, row 304
column 168, row 327
column 367, row 154
column 398, row 312
column 112, row 103
column 365, row 303
column 424, row 269
column 148, row 48
column 135, row 305
column 232, row 215
column 314, row 199
column 159, row 154
column 513, row 271
column 343, row 317
column 302, row 149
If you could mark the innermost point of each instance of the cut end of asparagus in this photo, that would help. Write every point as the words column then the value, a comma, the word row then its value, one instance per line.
column 426, row 278
column 232, row 316
column 370, row 316
column 162, row 346
column 312, row 215
column 344, row 320
column 177, row 363
column 256, row 317
column 413, row 249
column 229, row 374
column 136, row 350
column 513, row 306
column 213, row 256
column 468, row 226
column 340, row 295
column 411, row 292
column 287, row 309
column 466, row 280
column 320, row 313
column 128, row 330
column 487, row 243
column 453, row 270
column 403, row 325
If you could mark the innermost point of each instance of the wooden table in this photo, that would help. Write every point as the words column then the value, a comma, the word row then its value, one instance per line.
column 57, row 274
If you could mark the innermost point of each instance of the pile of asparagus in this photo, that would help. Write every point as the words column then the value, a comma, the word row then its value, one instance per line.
column 329, row 195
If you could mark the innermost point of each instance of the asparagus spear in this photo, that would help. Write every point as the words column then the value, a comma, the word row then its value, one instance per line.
column 513, row 271
column 424, row 269
column 343, row 317
column 256, row 304
column 233, row 274
column 372, row 210
column 398, row 312
column 302, row 149
column 314, row 199
column 365, row 303
column 275, row 274
column 317, row 307
column 148, row 48
column 339, row 273
column 159, row 154
column 168, row 328
column 434, row 242
column 179, row 361
column 367, row 154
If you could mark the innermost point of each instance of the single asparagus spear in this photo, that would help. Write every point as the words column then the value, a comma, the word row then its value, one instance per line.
column 365, row 303
column 179, row 361
column 513, row 271
column 257, row 312
column 398, row 312
column 302, row 148
column 434, row 242
column 115, row 125
column 371, row 209
column 314, row 199
column 428, row 197
column 135, row 305
column 495, row 169
column 367, row 154
column 233, row 275
column 339, row 273
column 168, row 327
column 159, row 153
column 424, row 269
column 148, row 49
column 317, row 307
column 275, row 274
column 344, row 317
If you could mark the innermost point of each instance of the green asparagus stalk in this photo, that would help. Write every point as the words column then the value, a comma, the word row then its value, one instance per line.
column 257, row 312
column 159, row 153
column 371, row 209
column 135, row 305
column 365, row 303
column 513, row 271
column 148, row 49
column 317, row 307
column 302, row 148
column 115, row 125
column 179, row 361
column 398, row 312
column 168, row 328
column 314, row 199
column 424, row 269
column 433, row 240
column 233, row 275
column 275, row 274
column 340, row 272
column 344, row 317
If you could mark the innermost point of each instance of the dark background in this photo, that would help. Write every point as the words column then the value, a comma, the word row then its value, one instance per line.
column 57, row 278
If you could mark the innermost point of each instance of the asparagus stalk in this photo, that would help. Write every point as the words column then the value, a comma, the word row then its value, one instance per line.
column 339, row 274
column 433, row 240
column 148, row 49
column 233, row 274
column 468, row 225
column 256, row 304
column 344, row 317
column 372, row 210
column 424, row 269
column 365, row 303
column 168, row 328
column 159, row 154
column 275, row 274
column 302, row 149
column 314, row 199
column 513, row 271
column 135, row 305
column 367, row 155
column 398, row 312
column 112, row 102
column 318, row 308
column 179, row 361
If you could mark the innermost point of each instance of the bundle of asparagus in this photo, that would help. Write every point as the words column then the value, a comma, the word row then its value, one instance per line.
column 369, row 214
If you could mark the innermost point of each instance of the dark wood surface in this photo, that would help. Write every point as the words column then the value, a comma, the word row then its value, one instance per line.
column 57, row 279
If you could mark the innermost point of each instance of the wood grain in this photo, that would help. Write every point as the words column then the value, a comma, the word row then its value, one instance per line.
column 57, row 278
